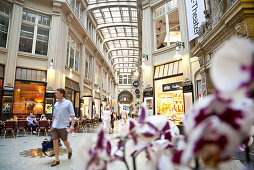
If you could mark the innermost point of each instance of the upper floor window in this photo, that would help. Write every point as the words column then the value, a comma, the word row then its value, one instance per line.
column 167, row 27
column 87, row 68
column 34, row 34
column 125, row 79
column 4, row 24
column 73, row 53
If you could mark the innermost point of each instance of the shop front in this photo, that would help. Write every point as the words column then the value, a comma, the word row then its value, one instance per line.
column 104, row 102
column 29, row 93
column 168, row 87
column 5, row 112
column 97, row 106
column 86, row 103
column 72, row 93
column 50, row 100
column 148, row 100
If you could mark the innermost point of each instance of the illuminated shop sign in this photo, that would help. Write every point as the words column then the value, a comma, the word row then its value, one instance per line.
column 172, row 86
column 195, row 16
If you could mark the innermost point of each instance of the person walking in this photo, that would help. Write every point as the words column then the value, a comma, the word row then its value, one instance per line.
column 63, row 110
column 106, row 119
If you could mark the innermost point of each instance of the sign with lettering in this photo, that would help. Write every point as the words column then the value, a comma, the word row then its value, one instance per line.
column 172, row 86
column 148, row 92
column 195, row 16
column 135, row 83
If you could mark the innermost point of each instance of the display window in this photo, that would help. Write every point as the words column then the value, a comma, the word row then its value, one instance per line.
column 96, row 108
column 1, row 89
column 85, row 107
column 73, row 96
column 28, row 98
column 169, row 98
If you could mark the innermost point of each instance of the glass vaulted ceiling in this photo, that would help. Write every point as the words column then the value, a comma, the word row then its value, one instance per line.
column 117, row 21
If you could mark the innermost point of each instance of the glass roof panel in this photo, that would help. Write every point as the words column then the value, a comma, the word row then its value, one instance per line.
column 120, row 20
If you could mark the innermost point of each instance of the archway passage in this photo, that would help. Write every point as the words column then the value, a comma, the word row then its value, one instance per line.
column 125, row 100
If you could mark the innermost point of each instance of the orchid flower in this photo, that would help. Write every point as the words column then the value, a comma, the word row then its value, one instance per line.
column 232, row 70
column 102, row 152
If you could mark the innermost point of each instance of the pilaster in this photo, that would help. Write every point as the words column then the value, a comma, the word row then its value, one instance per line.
column 13, row 43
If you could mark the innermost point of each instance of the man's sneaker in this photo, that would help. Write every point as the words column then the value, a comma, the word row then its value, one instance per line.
column 34, row 132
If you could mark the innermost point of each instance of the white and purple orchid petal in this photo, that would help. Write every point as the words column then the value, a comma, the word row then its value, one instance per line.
column 167, row 135
column 108, row 148
column 157, row 122
column 235, row 113
column 130, row 127
column 177, row 157
column 101, row 138
column 238, row 72
column 164, row 162
column 142, row 114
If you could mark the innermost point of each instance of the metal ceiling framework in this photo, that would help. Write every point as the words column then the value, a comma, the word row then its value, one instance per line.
column 117, row 21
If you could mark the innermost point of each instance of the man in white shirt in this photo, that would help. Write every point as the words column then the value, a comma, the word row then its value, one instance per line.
column 124, row 116
column 63, row 110
column 106, row 119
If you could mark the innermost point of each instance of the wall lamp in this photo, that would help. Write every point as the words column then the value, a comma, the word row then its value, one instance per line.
column 51, row 64
column 178, row 45
column 70, row 75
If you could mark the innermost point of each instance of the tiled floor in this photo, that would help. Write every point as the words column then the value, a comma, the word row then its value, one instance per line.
column 10, row 158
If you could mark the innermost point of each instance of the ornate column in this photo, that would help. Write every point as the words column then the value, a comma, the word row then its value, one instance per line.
column 13, row 43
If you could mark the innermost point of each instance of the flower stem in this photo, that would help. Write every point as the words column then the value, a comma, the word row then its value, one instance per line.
column 134, row 162
column 247, row 152
column 124, row 157
column 196, row 164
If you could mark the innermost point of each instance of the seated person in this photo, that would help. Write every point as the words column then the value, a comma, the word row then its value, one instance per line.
column 31, row 122
column 43, row 117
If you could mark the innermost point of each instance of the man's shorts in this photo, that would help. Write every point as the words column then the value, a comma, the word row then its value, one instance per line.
column 59, row 133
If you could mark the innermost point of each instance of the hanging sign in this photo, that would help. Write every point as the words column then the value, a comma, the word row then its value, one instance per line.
column 172, row 86
column 136, row 83
column 137, row 91
column 195, row 16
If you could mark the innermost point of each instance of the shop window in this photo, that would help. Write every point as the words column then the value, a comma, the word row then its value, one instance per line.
column 30, row 74
column 73, row 54
column 4, row 24
column 167, row 26
column 28, row 97
column 169, row 99
column 34, row 34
